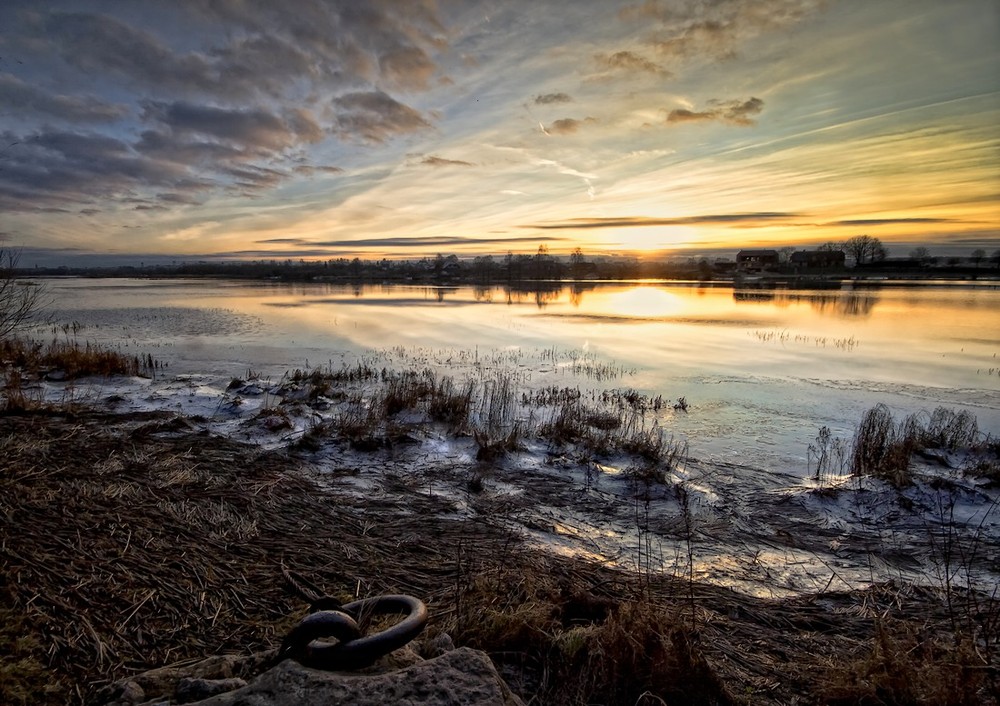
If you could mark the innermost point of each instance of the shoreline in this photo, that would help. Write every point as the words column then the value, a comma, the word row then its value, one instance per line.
column 97, row 501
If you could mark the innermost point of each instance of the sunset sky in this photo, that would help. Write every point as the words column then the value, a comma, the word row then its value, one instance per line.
column 321, row 129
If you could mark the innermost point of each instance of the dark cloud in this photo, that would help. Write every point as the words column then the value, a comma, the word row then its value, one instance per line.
column 185, row 151
column 549, row 98
column 630, row 62
column 253, row 128
column 567, row 126
column 251, row 178
column 374, row 116
column 436, row 241
column 20, row 98
column 288, row 241
column 310, row 169
column 432, row 161
column 99, row 43
column 264, row 49
column 887, row 221
column 734, row 112
column 741, row 219
column 212, row 76
column 57, row 169
column 406, row 68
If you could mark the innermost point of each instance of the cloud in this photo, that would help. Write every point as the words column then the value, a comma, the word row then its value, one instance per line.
column 406, row 68
column 628, row 61
column 59, row 169
column 763, row 218
column 682, row 29
column 262, row 50
column 99, row 43
column 253, row 128
column 310, row 169
column 18, row 97
column 550, row 98
column 568, row 126
column 433, row 241
column 734, row 112
column 433, row 161
column 375, row 116
column 887, row 221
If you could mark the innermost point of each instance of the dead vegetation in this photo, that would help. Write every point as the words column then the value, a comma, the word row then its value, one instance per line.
column 884, row 448
column 128, row 543
column 24, row 362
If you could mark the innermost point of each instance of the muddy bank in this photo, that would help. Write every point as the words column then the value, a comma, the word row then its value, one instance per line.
column 131, row 541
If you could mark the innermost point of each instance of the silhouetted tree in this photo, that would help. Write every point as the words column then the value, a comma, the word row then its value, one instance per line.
column 920, row 254
column 996, row 258
column 20, row 300
column 977, row 256
column 865, row 248
column 577, row 265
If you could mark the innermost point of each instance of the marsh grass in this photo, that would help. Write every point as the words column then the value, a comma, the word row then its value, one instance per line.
column 883, row 447
column 574, row 644
column 23, row 363
column 72, row 359
column 903, row 665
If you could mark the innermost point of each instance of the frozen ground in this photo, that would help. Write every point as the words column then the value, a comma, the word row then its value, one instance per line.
column 764, row 531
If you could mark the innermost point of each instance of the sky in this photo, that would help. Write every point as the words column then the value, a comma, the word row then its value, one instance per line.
column 334, row 128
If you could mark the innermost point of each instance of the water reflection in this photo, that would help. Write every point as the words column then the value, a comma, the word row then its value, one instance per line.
column 843, row 304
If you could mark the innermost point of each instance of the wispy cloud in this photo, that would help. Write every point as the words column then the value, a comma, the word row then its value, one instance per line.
column 630, row 62
column 435, row 241
column 432, row 161
column 374, row 116
column 681, row 29
column 550, row 98
column 735, row 112
column 18, row 97
column 568, row 126
column 888, row 221
column 744, row 219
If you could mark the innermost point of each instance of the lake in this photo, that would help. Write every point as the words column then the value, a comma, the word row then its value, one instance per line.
column 760, row 370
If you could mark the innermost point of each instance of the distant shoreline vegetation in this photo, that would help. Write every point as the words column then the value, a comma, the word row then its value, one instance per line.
column 542, row 267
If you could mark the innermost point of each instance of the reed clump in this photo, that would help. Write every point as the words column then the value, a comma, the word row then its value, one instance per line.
column 71, row 359
column 883, row 447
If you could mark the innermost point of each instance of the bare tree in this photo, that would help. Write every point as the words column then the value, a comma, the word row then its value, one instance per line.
column 920, row 254
column 865, row 248
column 977, row 256
column 20, row 299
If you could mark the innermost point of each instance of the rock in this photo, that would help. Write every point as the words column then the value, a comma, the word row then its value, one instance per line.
column 461, row 677
column 161, row 684
column 190, row 689
column 132, row 693
column 438, row 645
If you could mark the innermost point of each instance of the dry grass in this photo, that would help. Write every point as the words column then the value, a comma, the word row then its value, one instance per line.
column 128, row 543
column 883, row 448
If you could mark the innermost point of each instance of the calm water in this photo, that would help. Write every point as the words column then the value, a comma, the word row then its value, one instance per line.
column 761, row 370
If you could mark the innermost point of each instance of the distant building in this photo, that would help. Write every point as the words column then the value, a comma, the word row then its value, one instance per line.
column 817, row 259
column 756, row 260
